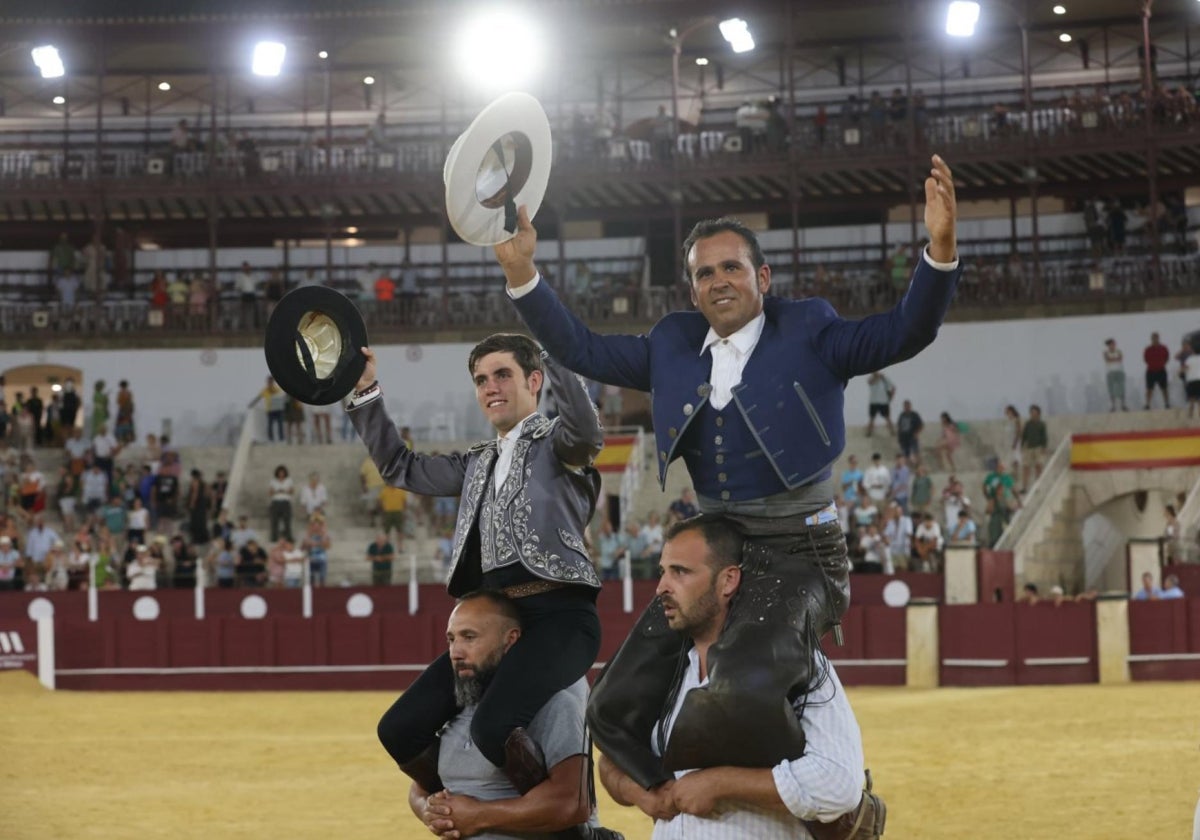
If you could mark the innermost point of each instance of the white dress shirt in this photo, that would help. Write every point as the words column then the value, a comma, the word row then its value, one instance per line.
column 729, row 357
column 505, row 453
column 823, row 784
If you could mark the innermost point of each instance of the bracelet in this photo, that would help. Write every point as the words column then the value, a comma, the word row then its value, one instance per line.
column 372, row 387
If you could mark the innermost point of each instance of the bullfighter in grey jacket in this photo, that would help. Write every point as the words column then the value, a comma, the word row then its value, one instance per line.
column 527, row 496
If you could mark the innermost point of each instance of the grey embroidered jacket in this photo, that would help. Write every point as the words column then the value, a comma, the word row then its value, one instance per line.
column 538, row 516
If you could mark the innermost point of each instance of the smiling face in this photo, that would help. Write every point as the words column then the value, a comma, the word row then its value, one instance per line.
column 725, row 285
column 504, row 393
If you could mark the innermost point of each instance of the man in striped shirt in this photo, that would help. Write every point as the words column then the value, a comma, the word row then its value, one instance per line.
column 818, row 794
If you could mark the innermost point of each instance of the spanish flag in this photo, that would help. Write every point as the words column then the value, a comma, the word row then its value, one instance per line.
column 1136, row 450
column 617, row 451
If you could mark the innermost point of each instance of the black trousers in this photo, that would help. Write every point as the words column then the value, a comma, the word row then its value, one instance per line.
column 560, row 639
column 794, row 589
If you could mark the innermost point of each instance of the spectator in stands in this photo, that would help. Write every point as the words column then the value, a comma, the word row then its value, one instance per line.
column 372, row 483
column 880, row 390
column 685, row 506
column 181, row 139
column 393, row 503
column 243, row 533
column 165, row 492
column 1191, row 383
column 662, row 134
column 246, row 285
column 380, row 555
column 852, row 479
column 100, row 412
column 1114, row 366
column 633, row 542
column 274, row 289
column 901, row 481
column 273, row 399
column 198, row 501
column 224, row 562
column 293, row 418
column 222, row 526
column 139, row 521
column 444, row 553
column 142, row 570
column 252, row 565
column 1148, row 592
column 1156, row 355
column 36, row 409
column 964, row 530
column 31, row 489
column 1171, row 589
column 67, row 492
column 322, row 424
column 316, row 545
column 866, row 513
column 94, row 487
column 199, row 295
column 313, row 495
column 908, row 431
column 184, row 563
column 1117, row 220
column 954, row 499
column 1012, row 453
column 652, row 540
column 384, row 290
column 898, row 536
column 1001, row 504
column 872, row 549
column 281, row 491
column 1035, row 442
column 1172, row 547
column 105, row 448
column 921, row 495
column 928, row 544
column 366, row 285
column 10, row 561
column 877, row 480
column 216, row 492
column 114, row 517
column 608, row 550
column 77, row 451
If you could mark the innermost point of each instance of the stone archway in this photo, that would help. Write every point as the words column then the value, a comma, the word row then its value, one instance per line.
column 47, row 378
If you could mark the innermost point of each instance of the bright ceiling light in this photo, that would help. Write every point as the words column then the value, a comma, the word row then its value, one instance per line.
column 164, row 86
column 702, row 61
column 368, row 80
column 48, row 61
column 737, row 33
column 352, row 229
column 1060, row 10
column 1065, row 38
column 56, row 387
column 59, row 100
column 961, row 17
column 500, row 50
column 323, row 54
column 268, row 58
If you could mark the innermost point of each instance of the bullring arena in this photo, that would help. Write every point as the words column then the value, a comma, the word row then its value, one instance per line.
column 1023, row 663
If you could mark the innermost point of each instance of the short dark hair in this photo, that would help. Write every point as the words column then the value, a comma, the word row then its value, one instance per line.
column 499, row 601
column 722, row 538
column 711, row 227
column 523, row 348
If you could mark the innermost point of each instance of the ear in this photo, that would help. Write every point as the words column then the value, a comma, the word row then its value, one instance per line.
column 535, row 381
column 510, row 637
column 731, row 579
column 764, row 278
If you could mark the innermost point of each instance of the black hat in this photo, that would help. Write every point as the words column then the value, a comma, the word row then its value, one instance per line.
column 313, row 344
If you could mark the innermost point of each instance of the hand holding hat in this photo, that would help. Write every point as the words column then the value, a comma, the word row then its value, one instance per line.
column 516, row 255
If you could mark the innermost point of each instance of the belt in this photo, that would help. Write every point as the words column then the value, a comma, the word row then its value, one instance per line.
column 536, row 587
column 825, row 515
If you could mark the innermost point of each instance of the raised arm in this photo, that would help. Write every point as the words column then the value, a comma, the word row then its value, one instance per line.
column 578, row 437
column 430, row 475
column 853, row 348
column 614, row 359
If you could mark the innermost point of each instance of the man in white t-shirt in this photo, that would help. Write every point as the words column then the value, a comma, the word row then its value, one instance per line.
column 104, row 449
column 877, row 480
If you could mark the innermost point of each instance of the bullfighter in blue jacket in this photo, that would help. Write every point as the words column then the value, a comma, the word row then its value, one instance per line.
column 749, row 392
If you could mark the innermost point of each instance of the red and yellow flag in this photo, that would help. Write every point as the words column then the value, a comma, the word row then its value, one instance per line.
column 617, row 451
column 1136, row 450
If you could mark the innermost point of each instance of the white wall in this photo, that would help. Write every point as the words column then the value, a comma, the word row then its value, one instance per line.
column 973, row 370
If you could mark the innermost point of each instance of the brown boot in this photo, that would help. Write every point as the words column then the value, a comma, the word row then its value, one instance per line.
column 525, row 768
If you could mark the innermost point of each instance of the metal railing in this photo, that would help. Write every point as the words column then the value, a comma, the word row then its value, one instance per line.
column 1039, row 505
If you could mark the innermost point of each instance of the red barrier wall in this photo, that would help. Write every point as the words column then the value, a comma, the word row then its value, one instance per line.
column 1164, row 639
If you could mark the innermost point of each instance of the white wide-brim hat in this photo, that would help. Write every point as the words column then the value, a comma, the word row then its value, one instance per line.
column 499, row 163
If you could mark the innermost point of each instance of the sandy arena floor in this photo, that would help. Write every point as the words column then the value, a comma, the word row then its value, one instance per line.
column 1063, row 763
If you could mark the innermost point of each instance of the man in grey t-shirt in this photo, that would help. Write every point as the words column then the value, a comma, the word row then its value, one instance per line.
column 523, row 799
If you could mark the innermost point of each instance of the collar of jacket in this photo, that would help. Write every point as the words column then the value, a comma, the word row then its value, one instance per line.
column 536, row 426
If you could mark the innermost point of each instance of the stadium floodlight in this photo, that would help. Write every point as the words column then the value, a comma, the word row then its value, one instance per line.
column 702, row 61
column 961, row 17
column 368, row 80
column 164, row 86
column 1065, row 37
column 1060, row 10
column 48, row 61
column 59, row 100
column 500, row 50
column 737, row 32
column 268, row 58
column 323, row 54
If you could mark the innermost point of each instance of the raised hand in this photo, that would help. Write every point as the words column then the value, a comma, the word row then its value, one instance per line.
column 368, row 375
column 941, row 212
column 516, row 255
